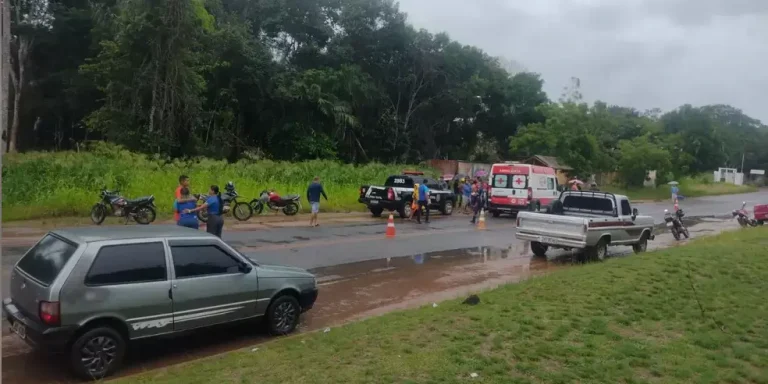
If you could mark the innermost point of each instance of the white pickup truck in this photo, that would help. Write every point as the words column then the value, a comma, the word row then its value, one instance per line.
column 586, row 220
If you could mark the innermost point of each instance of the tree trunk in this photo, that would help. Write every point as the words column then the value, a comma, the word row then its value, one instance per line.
column 5, row 63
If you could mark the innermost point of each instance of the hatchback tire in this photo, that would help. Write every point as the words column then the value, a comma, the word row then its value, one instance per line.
column 97, row 353
column 283, row 315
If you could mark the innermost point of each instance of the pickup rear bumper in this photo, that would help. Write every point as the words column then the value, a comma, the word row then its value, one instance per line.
column 552, row 241
column 506, row 208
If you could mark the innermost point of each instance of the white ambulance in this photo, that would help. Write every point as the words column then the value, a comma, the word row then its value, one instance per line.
column 515, row 187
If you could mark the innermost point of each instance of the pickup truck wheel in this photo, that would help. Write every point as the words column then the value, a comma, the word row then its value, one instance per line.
column 642, row 245
column 447, row 208
column 539, row 249
column 376, row 212
column 405, row 210
column 760, row 222
column 496, row 213
column 598, row 252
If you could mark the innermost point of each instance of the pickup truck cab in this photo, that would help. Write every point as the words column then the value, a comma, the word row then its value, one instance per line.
column 397, row 195
column 586, row 220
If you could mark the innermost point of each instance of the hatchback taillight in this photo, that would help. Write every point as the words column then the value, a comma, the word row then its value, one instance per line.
column 50, row 313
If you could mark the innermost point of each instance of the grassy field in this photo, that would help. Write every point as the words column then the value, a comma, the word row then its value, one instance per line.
column 40, row 185
column 690, row 314
column 689, row 187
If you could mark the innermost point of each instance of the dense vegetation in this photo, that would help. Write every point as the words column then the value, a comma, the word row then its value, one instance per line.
column 689, row 314
column 38, row 185
column 346, row 80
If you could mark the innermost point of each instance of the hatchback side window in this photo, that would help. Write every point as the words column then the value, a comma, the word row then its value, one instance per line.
column 202, row 260
column 127, row 264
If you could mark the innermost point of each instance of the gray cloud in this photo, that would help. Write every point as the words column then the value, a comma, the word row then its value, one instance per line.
column 640, row 53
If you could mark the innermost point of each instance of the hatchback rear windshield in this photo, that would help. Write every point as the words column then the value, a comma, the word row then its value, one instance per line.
column 46, row 259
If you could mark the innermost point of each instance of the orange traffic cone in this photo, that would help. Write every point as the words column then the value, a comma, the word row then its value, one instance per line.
column 677, row 207
column 391, row 226
column 481, row 220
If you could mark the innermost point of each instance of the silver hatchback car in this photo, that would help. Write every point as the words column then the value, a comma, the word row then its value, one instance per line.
column 87, row 292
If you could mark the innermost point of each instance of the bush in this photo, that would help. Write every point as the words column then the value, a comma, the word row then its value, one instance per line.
column 45, row 184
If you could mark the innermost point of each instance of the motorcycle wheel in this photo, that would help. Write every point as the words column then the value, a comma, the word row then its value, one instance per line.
column 242, row 211
column 202, row 216
column 98, row 214
column 145, row 215
column 685, row 233
column 256, row 206
column 675, row 234
column 291, row 209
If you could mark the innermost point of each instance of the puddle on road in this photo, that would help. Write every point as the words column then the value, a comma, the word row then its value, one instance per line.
column 373, row 287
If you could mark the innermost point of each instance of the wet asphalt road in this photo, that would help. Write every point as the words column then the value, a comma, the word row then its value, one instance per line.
column 335, row 244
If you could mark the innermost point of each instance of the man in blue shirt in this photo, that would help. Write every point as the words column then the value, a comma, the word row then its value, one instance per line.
column 313, row 196
column 423, row 203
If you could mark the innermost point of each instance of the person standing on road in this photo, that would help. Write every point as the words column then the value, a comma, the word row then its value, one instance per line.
column 457, row 190
column 475, row 200
column 314, row 191
column 183, row 203
column 675, row 192
column 214, row 206
column 467, row 191
column 183, row 183
column 414, row 201
column 423, row 203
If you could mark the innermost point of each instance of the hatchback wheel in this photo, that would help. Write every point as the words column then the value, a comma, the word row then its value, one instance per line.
column 283, row 315
column 97, row 353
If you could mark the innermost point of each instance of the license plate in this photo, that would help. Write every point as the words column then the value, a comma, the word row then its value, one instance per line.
column 548, row 240
column 19, row 329
column 669, row 224
column 374, row 202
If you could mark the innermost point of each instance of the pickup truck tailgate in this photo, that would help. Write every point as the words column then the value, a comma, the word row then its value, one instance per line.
column 550, row 229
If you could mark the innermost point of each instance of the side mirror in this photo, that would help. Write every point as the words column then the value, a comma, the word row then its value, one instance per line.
column 245, row 268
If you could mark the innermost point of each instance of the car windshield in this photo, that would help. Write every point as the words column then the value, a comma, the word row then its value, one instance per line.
column 46, row 259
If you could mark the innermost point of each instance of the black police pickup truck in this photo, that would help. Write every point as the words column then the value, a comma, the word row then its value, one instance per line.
column 397, row 195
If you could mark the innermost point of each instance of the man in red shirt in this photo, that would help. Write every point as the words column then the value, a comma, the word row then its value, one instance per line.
column 183, row 183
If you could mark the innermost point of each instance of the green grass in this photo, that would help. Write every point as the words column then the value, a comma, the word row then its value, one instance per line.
column 41, row 185
column 689, row 187
column 694, row 313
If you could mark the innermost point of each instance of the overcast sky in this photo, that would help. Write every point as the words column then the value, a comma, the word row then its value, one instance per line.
column 639, row 53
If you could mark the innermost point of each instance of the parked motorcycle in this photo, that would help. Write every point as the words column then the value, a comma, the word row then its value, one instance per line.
column 742, row 216
column 290, row 204
column 675, row 223
column 141, row 210
column 242, row 211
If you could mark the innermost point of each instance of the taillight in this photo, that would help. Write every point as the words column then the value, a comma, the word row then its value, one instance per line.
column 362, row 191
column 517, row 224
column 49, row 313
column 390, row 194
column 530, row 193
column 584, row 228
